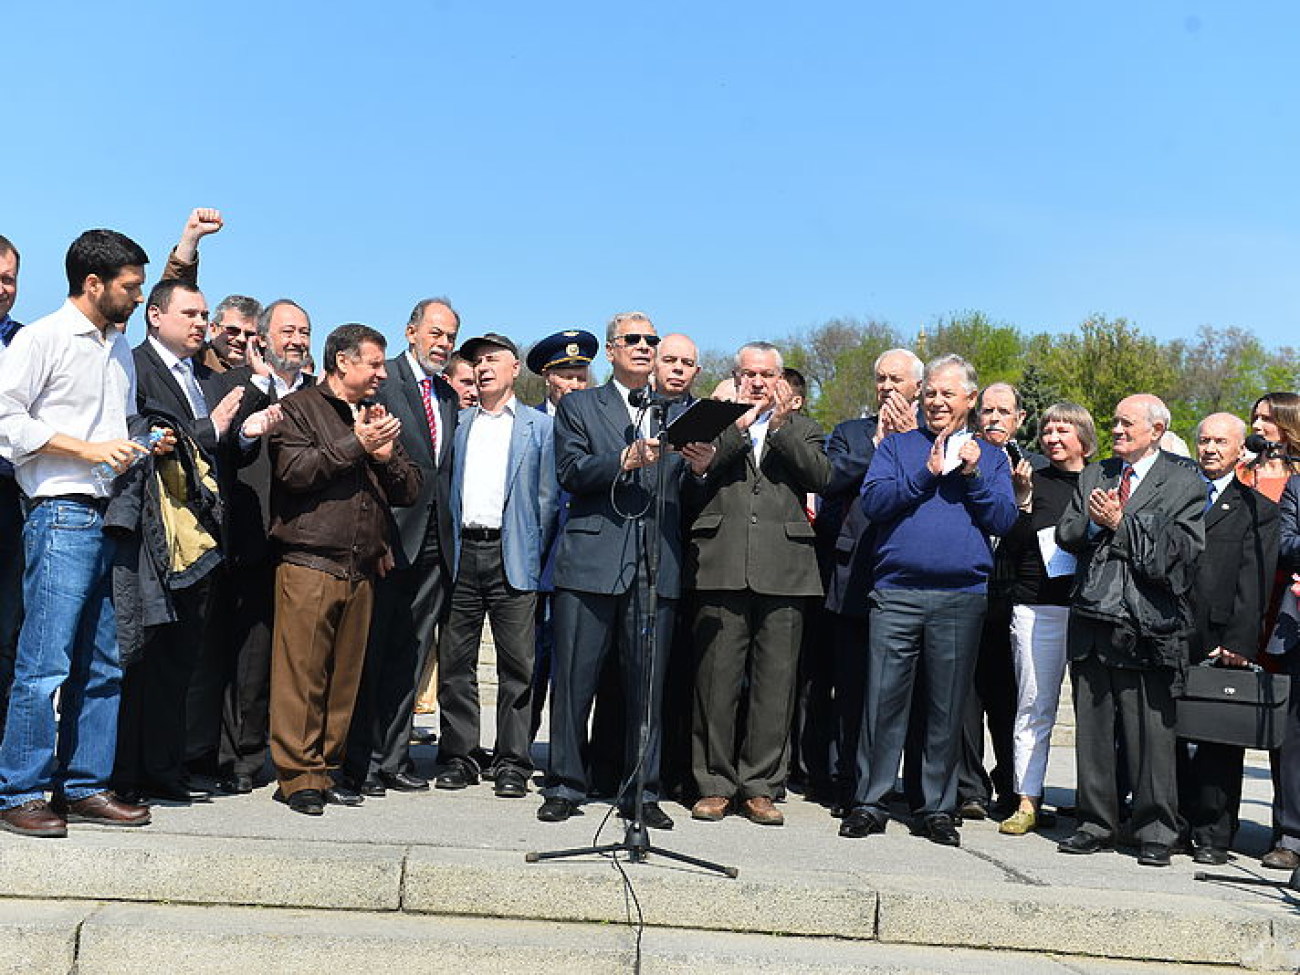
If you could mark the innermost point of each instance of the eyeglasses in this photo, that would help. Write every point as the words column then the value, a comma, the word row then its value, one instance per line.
column 636, row 338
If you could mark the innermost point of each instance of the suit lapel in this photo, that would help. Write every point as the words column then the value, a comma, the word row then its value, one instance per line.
column 614, row 412
column 181, row 405
column 520, row 433
column 1228, row 501
column 415, row 403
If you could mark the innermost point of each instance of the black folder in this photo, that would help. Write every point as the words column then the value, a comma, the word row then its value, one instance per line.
column 702, row 421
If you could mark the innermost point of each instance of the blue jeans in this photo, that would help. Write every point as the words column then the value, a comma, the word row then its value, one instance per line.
column 68, row 640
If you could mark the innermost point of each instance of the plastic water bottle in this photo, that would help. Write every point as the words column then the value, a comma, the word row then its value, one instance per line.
column 103, row 473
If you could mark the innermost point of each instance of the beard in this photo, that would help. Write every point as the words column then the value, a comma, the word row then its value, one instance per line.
column 280, row 363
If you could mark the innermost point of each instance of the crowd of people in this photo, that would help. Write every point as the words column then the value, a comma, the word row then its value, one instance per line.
column 220, row 568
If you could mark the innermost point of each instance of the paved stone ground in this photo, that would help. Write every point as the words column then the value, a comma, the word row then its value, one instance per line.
column 437, row 881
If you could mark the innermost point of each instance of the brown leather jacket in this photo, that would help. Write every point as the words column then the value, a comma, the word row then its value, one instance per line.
column 329, row 499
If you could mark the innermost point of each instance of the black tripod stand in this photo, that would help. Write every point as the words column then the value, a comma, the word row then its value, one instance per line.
column 636, row 838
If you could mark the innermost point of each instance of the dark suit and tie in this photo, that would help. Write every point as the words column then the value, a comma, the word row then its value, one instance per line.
column 601, row 584
column 412, row 598
column 152, row 723
column 1129, row 622
column 1234, row 575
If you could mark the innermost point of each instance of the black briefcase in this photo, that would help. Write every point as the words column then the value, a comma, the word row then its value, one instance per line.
column 1234, row 706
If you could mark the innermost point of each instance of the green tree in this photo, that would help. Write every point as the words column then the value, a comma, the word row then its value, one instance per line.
column 997, row 351
column 1103, row 362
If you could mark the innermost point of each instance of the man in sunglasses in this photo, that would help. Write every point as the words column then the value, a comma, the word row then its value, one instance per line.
column 606, row 459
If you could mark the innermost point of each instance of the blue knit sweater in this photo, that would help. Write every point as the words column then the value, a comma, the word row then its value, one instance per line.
column 933, row 532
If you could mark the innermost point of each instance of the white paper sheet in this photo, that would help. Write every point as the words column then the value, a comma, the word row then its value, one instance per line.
column 952, row 446
column 1057, row 561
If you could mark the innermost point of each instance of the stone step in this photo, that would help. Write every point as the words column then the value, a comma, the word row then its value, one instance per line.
column 89, row 938
column 340, row 889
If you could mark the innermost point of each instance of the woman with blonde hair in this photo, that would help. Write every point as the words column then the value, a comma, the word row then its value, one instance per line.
column 1040, row 613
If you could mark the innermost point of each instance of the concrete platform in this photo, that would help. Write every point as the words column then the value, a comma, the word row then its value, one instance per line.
column 437, row 881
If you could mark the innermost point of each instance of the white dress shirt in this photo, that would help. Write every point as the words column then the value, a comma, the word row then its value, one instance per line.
column 444, row 435
column 62, row 375
column 634, row 413
column 487, row 458
column 282, row 389
column 182, row 371
column 758, row 434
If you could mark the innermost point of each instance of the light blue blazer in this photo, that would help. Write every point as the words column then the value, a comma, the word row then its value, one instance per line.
column 528, row 522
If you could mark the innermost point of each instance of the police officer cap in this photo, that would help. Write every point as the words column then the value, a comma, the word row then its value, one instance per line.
column 572, row 347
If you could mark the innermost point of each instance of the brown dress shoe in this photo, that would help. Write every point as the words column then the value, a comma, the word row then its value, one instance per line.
column 760, row 809
column 33, row 818
column 103, row 809
column 711, row 808
column 1280, row 858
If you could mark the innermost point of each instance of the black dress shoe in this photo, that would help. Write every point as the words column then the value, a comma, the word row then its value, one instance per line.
column 373, row 788
column 974, row 809
column 309, row 802
column 859, row 823
column 404, row 781
column 175, row 791
column 235, row 785
column 556, row 809
column 510, row 784
column 654, row 817
column 1215, row 856
column 940, row 828
column 458, row 774
column 1083, row 842
column 342, row 795
column 1153, row 855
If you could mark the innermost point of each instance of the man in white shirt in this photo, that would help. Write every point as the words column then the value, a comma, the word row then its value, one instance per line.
column 503, row 508
column 11, row 512
column 67, row 386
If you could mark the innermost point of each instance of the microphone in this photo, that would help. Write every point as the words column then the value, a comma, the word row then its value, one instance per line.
column 645, row 397
column 1256, row 444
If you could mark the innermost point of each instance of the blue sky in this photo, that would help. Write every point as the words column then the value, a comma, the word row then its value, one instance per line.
column 738, row 171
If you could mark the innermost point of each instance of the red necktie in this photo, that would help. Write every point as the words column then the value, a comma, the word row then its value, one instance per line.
column 1125, row 485
column 430, row 411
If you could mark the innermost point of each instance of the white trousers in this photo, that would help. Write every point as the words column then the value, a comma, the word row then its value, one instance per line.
column 1038, row 645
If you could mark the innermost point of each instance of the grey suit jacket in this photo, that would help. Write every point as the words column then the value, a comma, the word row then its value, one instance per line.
column 528, row 519
column 600, row 550
column 400, row 395
column 754, row 532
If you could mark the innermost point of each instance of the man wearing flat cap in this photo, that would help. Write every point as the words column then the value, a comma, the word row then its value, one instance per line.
column 503, row 498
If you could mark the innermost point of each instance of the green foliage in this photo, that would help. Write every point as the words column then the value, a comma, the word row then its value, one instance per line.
column 1095, row 365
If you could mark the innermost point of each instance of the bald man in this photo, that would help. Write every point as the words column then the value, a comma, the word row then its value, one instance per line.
column 1136, row 525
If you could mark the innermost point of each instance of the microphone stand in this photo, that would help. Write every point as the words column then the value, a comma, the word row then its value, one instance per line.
column 636, row 837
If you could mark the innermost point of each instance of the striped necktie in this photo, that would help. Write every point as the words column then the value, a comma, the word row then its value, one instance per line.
column 430, row 411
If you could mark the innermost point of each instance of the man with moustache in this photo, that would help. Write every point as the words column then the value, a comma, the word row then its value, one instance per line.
column 1136, row 525
column 11, row 512
column 170, row 383
column 999, row 414
column 411, row 598
column 1233, row 579
column 935, row 496
column 606, row 460
column 503, row 507
column 844, row 543
column 67, row 389
column 753, row 566
column 338, row 471
column 241, row 681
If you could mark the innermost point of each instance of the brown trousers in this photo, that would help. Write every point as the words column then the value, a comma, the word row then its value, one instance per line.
column 317, row 654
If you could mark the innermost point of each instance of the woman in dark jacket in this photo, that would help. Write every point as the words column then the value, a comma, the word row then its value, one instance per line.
column 1041, row 598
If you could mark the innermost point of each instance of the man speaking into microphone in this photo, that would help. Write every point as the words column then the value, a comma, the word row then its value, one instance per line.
column 604, row 458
